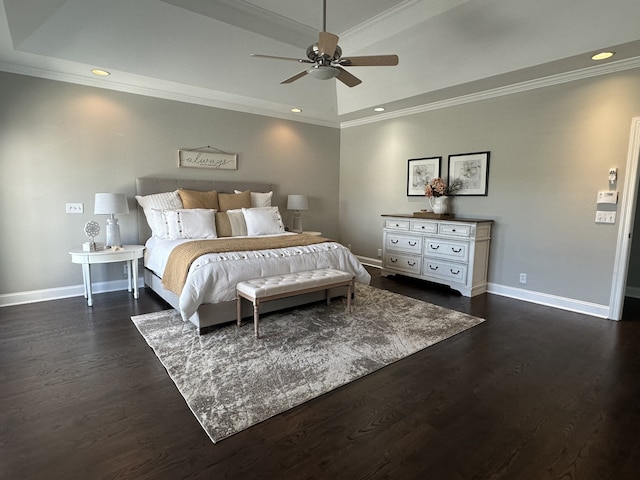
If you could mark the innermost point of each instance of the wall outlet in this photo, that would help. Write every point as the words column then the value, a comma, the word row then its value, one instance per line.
column 74, row 207
column 379, row 253
column 126, row 270
column 523, row 278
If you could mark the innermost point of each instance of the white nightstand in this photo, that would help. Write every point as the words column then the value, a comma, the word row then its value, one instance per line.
column 127, row 253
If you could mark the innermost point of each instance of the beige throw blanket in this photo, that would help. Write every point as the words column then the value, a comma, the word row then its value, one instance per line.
column 182, row 256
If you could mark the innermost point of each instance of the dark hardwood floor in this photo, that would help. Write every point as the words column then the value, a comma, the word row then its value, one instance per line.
column 532, row 393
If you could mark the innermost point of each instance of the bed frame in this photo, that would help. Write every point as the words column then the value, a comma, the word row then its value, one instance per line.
column 213, row 314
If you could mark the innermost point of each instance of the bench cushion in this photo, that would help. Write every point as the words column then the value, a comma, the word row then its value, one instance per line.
column 291, row 282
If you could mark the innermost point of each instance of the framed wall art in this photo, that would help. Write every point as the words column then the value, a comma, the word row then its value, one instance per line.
column 420, row 171
column 473, row 170
column 201, row 158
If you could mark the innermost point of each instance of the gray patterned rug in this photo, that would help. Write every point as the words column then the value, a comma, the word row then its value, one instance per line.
column 231, row 381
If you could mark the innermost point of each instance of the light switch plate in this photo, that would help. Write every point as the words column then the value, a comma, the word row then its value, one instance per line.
column 74, row 207
column 605, row 217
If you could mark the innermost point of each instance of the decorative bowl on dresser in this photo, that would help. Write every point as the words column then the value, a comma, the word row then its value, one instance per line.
column 453, row 252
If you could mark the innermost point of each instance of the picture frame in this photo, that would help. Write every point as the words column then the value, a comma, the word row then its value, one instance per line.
column 420, row 171
column 473, row 170
column 206, row 159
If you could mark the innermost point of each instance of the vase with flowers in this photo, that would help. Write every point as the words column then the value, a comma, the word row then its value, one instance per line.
column 437, row 192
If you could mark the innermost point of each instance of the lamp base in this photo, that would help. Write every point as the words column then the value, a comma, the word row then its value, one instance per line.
column 113, row 233
column 297, row 222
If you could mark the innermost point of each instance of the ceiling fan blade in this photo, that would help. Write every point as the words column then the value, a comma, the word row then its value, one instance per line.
column 370, row 60
column 295, row 77
column 299, row 60
column 348, row 79
column 327, row 43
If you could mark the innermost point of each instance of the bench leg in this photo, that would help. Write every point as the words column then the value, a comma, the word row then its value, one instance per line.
column 256, row 317
column 238, row 310
column 350, row 291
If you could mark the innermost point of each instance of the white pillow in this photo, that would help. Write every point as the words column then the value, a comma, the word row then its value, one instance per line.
column 157, row 222
column 263, row 221
column 158, row 201
column 238, row 224
column 190, row 223
column 259, row 199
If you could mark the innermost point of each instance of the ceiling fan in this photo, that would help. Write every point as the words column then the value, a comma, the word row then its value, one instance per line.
column 326, row 58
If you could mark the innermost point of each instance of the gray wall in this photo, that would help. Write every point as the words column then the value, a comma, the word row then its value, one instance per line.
column 63, row 143
column 551, row 149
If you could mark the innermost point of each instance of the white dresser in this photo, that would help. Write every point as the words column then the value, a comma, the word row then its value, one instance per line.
column 451, row 252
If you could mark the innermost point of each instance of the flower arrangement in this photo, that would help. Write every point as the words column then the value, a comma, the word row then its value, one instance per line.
column 438, row 188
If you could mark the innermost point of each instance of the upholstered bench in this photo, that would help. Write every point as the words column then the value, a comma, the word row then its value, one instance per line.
column 290, row 284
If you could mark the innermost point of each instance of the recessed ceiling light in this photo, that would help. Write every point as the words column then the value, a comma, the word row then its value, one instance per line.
column 102, row 73
column 296, row 110
column 378, row 109
column 603, row 55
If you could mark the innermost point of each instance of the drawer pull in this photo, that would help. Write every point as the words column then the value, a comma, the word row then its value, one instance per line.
column 397, row 224
column 434, row 247
column 453, row 229
column 411, row 264
column 456, row 251
column 433, row 268
column 394, row 241
column 422, row 227
column 412, row 244
column 454, row 273
column 394, row 260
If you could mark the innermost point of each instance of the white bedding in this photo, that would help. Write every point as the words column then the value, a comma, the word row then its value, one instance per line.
column 213, row 277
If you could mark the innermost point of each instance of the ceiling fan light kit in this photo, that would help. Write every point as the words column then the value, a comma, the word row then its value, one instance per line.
column 323, row 73
column 326, row 55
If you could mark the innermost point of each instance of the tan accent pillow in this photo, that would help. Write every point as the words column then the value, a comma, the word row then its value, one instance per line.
column 196, row 199
column 223, row 225
column 231, row 201
column 231, row 224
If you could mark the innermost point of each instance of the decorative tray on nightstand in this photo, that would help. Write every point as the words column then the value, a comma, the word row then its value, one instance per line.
column 439, row 216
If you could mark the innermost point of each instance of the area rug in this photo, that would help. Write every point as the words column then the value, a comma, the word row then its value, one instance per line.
column 231, row 380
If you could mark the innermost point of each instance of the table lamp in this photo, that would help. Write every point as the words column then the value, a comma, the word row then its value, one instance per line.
column 111, row 204
column 297, row 203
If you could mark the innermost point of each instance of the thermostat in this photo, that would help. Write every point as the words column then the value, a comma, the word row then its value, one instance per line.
column 608, row 196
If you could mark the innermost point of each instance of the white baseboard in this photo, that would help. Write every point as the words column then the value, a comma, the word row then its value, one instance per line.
column 633, row 292
column 372, row 262
column 555, row 301
column 19, row 298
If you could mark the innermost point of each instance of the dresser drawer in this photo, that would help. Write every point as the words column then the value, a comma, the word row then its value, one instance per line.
column 424, row 227
column 404, row 263
column 447, row 249
column 402, row 243
column 397, row 224
column 454, row 230
column 447, row 271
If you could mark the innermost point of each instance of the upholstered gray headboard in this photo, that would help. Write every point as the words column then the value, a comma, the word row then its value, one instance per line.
column 149, row 185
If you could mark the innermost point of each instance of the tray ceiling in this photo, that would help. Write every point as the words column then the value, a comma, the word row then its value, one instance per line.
column 199, row 50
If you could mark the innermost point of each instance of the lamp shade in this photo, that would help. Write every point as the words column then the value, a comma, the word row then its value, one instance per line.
column 297, row 202
column 110, row 204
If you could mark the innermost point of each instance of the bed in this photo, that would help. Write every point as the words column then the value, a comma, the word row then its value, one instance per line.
column 245, row 244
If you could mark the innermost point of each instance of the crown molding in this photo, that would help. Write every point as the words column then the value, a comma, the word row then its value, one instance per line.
column 251, row 17
column 394, row 21
column 195, row 96
column 543, row 82
column 253, row 106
